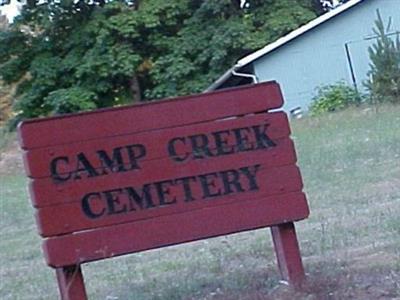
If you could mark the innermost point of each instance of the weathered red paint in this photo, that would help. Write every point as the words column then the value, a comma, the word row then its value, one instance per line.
column 70, row 283
column 150, row 116
column 124, row 180
column 174, row 229
column 155, row 141
column 67, row 218
column 44, row 193
column 288, row 253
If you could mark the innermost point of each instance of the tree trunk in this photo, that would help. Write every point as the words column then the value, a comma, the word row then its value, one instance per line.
column 135, row 89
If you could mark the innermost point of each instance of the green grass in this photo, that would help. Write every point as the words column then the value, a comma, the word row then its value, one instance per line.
column 350, row 163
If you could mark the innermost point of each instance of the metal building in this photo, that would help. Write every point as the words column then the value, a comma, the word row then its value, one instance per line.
column 329, row 49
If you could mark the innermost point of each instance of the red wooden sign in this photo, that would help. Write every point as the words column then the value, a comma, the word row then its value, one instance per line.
column 163, row 173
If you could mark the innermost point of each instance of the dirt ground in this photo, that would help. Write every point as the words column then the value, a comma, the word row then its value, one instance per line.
column 363, row 276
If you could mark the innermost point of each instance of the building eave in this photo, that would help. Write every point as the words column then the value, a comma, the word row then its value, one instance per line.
column 221, row 80
column 282, row 41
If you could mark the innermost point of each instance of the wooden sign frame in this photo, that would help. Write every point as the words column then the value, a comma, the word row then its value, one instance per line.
column 161, row 174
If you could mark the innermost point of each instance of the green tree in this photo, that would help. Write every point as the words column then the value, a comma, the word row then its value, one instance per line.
column 384, row 74
column 216, row 35
column 4, row 89
column 76, row 55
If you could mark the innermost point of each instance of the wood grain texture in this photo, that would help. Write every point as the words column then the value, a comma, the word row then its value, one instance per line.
column 37, row 161
column 288, row 254
column 167, row 230
column 137, row 118
column 129, row 179
column 44, row 192
column 71, row 283
column 69, row 217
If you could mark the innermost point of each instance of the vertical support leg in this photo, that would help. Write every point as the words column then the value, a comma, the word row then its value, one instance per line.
column 288, row 254
column 70, row 283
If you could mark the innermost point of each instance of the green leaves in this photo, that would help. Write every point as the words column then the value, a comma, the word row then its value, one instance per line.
column 70, row 100
column 334, row 97
column 14, row 57
column 77, row 55
column 217, row 34
column 384, row 74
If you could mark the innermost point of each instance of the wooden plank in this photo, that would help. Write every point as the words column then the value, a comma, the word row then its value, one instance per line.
column 70, row 217
column 38, row 161
column 70, row 283
column 288, row 253
column 126, row 238
column 129, row 179
column 137, row 118
column 44, row 192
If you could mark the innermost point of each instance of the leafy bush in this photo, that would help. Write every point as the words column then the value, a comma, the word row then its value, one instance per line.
column 70, row 100
column 334, row 97
column 384, row 76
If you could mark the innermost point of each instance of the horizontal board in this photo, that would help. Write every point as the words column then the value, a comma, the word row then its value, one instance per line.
column 137, row 118
column 44, row 192
column 167, row 230
column 70, row 217
column 122, row 180
column 38, row 161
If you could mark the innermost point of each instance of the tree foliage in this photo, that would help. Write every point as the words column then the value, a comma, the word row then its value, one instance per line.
column 384, row 74
column 5, row 102
column 215, row 36
column 77, row 55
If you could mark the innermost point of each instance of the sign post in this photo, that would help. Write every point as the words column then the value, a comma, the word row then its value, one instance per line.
column 129, row 179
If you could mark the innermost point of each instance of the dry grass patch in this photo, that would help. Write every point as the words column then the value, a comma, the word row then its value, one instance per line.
column 351, row 243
